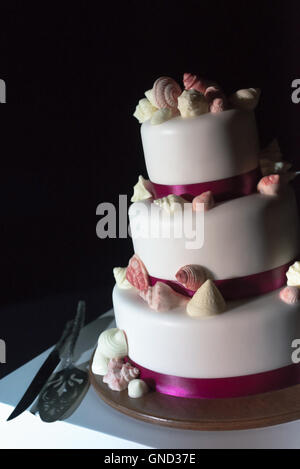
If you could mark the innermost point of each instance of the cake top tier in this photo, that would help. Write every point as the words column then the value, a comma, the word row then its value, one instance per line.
column 197, row 134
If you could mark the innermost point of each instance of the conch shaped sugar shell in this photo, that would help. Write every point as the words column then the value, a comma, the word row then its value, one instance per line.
column 293, row 275
column 192, row 103
column 137, row 388
column 120, row 277
column 191, row 276
column 271, row 152
column 137, row 274
column 161, row 297
column 170, row 203
column 269, row 185
column 245, row 99
column 207, row 301
column 290, row 295
column 142, row 190
column 166, row 92
column 206, row 198
column 191, row 81
column 129, row 372
column 112, row 343
column 100, row 363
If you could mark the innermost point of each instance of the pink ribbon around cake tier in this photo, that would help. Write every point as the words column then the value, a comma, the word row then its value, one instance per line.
column 220, row 388
column 239, row 287
column 222, row 189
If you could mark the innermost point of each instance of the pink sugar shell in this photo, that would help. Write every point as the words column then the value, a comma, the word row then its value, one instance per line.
column 191, row 276
column 166, row 92
column 137, row 274
column 290, row 295
column 161, row 297
column 193, row 82
column 205, row 198
column 118, row 376
column 269, row 185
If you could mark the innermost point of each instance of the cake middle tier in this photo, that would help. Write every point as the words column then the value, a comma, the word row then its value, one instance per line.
column 241, row 237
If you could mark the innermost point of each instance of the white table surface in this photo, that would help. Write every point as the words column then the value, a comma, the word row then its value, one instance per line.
column 96, row 425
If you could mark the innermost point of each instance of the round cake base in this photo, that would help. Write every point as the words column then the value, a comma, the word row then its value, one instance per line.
column 241, row 413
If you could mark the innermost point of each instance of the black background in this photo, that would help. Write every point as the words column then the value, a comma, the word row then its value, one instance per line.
column 74, row 74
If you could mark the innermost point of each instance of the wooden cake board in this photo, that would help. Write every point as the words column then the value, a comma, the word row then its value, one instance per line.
column 240, row 413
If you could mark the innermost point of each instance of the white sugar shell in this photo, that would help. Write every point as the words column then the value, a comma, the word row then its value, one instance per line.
column 161, row 116
column 137, row 388
column 192, row 103
column 112, row 343
column 150, row 96
column 120, row 277
column 100, row 363
column 293, row 275
column 144, row 110
column 170, row 203
column 207, row 301
column 141, row 190
column 246, row 99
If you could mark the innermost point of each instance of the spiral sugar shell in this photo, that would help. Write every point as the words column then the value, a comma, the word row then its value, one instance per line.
column 166, row 92
column 191, row 276
column 269, row 185
column 137, row 274
column 119, row 375
column 290, row 295
column 191, row 81
column 205, row 198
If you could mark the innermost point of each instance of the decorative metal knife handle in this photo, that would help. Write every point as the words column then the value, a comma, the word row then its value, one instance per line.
column 77, row 325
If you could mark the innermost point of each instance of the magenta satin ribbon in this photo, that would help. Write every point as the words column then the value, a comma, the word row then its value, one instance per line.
column 239, row 287
column 222, row 189
column 220, row 388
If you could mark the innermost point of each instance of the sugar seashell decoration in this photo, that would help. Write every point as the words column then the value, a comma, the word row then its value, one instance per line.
column 100, row 363
column 191, row 276
column 150, row 96
column 144, row 110
column 216, row 99
column 269, row 185
column 191, row 81
column 161, row 297
column 290, row 295
column 166, row 92
column 170, row 203
column 206, row 198
column 161, row 116
column 245, row 99
column 137, row 274
column 119, row 375
column 293, row 275
column 120, row 277
column 112, row 343
column 207, row 301
column 192, row 103
column 137, row 388
column 142, row 190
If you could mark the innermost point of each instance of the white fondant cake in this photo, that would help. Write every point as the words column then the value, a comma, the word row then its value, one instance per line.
column 245, row 245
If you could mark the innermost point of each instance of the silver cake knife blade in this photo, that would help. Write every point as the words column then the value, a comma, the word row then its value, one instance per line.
column 42, row 375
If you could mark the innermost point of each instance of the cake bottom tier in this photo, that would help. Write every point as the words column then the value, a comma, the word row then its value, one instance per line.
column 247, row 349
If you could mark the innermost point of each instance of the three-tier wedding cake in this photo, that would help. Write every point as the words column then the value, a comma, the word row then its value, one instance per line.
column 208, row 306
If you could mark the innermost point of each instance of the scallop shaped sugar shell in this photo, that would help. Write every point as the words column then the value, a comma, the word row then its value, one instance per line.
column 137, row 274
column 207, row 301
column 166, row 92
column 290, row 295
column 112, row 343
column 191, row 276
